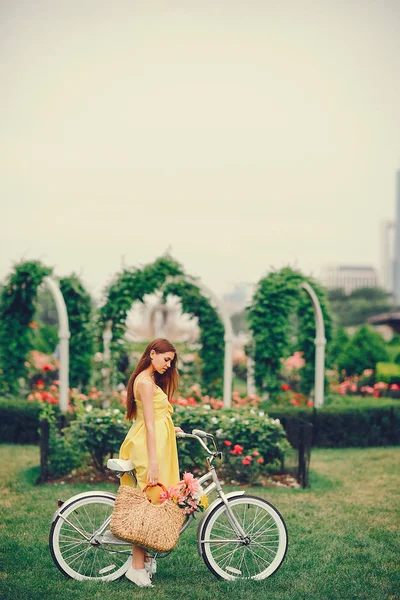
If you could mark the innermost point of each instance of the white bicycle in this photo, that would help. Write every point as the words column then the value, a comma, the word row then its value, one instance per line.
column 239, row 536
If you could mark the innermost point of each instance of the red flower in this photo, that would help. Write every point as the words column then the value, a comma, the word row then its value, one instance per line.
column 260, row 460
column 310, row 403
column 295, row 402
column 285, row 387
column 227, row 443
column 256, row 453
column 248, row 457
column 33, row 325
column 48, row 367
column 245, row 461
column 237, row 449
column 39, row 382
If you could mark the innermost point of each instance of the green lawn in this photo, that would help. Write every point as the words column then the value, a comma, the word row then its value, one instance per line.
column 343, row 537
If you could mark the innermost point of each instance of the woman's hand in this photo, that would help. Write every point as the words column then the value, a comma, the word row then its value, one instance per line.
column 152, row 474
column 178, row 430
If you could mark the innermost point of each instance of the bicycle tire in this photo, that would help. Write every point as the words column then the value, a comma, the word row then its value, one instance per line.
column 60, row 549
column 219, row 553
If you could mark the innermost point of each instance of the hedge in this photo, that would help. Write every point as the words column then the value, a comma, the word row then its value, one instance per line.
column 388, row 373
column 355, row 422
column 19, row 421
column 366, row 422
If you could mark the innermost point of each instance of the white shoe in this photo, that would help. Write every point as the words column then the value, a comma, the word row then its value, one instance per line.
column 139, row 576
column 151, row 566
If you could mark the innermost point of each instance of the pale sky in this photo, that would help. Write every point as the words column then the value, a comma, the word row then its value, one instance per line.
column 245, row 135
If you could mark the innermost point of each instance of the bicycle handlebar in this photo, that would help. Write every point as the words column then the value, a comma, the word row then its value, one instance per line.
column 197, row 437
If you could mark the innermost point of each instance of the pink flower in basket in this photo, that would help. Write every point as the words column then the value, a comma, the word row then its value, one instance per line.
column 187, row 494
column 188, row 477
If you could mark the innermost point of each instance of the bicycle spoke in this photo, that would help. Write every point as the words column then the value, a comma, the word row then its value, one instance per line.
column 256, row 556
column 262, row 523
column 74, row 548
column 259, row 566
column 224, row 526
column 84, row 556
column 71, row 545
column 266, row 529
column 266, row 548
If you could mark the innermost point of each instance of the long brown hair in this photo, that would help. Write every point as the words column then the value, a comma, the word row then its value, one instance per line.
column 168, row 381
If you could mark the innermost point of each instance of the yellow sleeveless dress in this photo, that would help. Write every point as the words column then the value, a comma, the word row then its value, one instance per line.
column 135, row 447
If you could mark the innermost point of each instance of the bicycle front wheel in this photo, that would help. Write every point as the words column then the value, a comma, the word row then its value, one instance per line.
column 259, row 554
column 76, row 549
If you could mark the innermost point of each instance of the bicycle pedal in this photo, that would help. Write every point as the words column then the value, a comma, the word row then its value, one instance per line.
column 233, row 570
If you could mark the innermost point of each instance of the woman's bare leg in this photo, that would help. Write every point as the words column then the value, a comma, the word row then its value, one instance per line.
column 137, row 557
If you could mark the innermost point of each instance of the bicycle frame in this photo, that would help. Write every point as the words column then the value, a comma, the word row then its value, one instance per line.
column 215, row 485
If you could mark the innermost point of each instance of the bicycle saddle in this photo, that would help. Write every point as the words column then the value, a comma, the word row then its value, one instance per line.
column 117, row 464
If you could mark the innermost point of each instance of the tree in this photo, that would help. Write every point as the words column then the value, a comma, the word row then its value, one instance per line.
column 239, row 322
column 337, row 295
column 354, row 309
column 336, row 348
column 363, row 351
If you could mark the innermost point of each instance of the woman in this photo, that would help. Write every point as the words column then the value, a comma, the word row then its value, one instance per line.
column 151, row 442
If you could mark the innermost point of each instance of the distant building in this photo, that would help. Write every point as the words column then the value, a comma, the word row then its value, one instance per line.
column 349, row 277
column 396, row 257
column 390, row 249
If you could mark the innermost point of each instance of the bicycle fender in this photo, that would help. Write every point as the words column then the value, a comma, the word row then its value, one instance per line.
column 78, row 497
column 216, row 502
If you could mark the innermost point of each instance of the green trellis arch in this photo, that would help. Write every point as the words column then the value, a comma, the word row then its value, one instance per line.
column 166, row 275
column 277, row 297
column 17, row 308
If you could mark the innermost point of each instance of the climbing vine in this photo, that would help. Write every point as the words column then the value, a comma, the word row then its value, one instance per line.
column 18, row 298
column 134, row 283
column 276, row 298
column 212, row 332
column 127, row 287
column 17, row 308
column 81, row 343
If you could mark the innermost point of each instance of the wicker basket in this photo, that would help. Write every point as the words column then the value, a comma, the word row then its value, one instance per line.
column 152, row 526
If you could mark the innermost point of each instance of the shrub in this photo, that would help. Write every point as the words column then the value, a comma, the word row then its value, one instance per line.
column 63, row 456
column 336, row 348
column 364, row 350
column 251, row 429
column 242, row 465
column 100, row 432
column 388, row 372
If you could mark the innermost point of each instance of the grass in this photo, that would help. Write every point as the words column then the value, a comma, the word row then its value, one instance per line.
column 343, row 537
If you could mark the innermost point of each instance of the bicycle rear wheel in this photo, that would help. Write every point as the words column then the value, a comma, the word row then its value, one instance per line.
column 257, row 556
column 74, row 548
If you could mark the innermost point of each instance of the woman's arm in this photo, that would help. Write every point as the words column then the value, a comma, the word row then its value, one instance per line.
column 146, row 392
